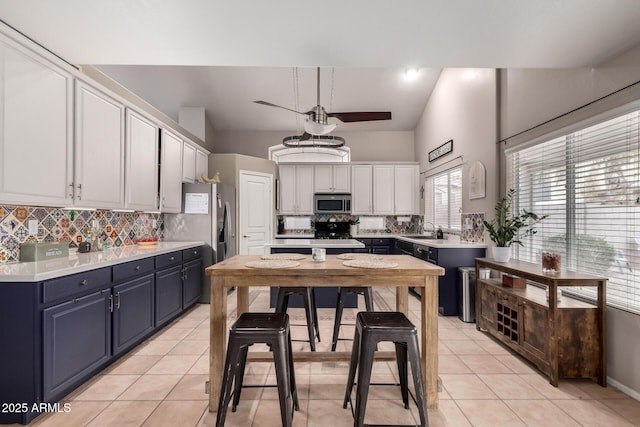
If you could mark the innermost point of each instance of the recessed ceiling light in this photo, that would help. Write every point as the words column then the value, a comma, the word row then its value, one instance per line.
column 411, row 74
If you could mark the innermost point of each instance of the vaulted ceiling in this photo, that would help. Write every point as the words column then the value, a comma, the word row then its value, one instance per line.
column 222, row 55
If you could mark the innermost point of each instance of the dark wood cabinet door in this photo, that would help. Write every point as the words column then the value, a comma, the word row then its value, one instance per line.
column 535, row 328
column 487, row 315
column 168, row 294
column 133, row 312
column 76, row 341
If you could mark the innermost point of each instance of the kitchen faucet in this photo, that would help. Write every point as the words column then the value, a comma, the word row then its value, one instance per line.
column 433, row 227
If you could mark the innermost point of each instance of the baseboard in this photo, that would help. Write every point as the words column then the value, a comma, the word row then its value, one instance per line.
column 623, row 388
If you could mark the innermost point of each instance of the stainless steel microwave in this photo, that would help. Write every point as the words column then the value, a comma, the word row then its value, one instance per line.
column 332, row 203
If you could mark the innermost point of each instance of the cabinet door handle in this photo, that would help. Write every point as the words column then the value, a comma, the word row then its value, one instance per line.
column 171, row 259
column 85, row 282
column 72, row 185
column 79, row 191
column 111, row 303
column 118, row 301
column 137, row 268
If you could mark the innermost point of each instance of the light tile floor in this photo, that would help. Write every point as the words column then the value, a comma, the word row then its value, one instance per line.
column 161, row 383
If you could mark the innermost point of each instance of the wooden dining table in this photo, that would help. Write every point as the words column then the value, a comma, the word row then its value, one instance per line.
column 410, row 271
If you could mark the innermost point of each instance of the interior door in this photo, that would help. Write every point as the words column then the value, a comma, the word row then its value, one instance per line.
column 256, row 212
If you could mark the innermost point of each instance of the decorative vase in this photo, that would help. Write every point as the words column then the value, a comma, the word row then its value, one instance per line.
column 501, row 254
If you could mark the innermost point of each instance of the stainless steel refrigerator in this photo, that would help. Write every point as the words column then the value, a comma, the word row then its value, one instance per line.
column 208, row 214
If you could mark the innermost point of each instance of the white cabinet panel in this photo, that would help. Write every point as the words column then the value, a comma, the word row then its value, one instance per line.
column 202, row 165
column 142, row 163
column 332, row 178
column 361, row 190
column 188, row 163
column 99, row 149
column 36, row 129
column 383, row 184
column 323, row 179
column 406, row 189
column 170, row 173
column 296, row 189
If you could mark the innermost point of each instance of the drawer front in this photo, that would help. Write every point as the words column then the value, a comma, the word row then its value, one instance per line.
column 381, row 242
column 68, row 286
column 192, row 253
column 168, row 260
column 132, row 269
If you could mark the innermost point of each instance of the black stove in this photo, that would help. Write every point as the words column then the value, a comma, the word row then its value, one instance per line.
column 332, row 230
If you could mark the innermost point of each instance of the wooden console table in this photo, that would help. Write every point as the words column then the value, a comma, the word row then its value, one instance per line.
column 409, row 272
column 564, row 338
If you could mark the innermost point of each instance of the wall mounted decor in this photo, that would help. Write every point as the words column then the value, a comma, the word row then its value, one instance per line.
column 445, row 148
column 476, row 180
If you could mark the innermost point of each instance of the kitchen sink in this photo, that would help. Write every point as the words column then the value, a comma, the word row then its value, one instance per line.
column 422, row 237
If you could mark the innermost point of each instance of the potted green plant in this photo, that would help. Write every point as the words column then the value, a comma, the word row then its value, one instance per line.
column 508, row 227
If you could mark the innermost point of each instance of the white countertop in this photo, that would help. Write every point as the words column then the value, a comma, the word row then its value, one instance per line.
column 77, row 262
column 451, row 241
column 315, row 243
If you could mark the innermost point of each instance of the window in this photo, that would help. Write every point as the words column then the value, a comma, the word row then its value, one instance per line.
column 444, row 199
column 588, row 182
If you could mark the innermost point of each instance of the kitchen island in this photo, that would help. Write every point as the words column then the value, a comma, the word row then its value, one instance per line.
column 409, row 272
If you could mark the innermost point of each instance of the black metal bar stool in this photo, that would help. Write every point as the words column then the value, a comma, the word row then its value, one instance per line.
column 259, row 328
column 310, row 309
column 344, row 291
column 372, row 328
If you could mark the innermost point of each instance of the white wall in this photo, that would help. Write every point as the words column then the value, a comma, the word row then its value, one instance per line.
column 462, row 107
column 365, row 146
column 533, row 96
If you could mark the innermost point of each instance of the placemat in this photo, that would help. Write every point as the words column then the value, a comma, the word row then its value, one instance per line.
column 362, row 263
column 291, row 257
column 272, row 263
column 355, row 255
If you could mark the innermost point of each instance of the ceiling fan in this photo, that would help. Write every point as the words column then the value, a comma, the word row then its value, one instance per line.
column 317, row 124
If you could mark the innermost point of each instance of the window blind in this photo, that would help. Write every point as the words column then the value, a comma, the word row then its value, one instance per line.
column 588, row 182
column 444, row 199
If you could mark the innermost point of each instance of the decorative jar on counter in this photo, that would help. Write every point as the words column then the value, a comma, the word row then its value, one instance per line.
column 551, row 263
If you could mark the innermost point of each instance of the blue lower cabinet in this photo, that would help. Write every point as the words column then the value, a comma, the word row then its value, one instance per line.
column 58, row 333
column 192, row 283
column 133, row 312
column 76, row 342
column 168, row 294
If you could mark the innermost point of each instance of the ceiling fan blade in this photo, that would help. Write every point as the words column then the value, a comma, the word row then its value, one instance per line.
column 268, row 104
column 361, row 116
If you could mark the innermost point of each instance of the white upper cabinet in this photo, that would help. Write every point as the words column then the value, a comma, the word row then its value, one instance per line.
column 170, row 173
column 142, row 163
column 361, row 190
column 296, row 189
column 36, row 129
column 188, row 163
column 99, row 149
column 202, row 165
column 383, row 185
column 406, row 189
column 332, row 179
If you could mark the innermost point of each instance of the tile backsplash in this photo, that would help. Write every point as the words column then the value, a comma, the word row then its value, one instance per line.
column 368, row 224
column 73, row 226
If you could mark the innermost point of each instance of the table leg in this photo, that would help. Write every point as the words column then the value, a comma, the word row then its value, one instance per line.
column 429, row 328
column 243, row 299
column 217, row 338
column 402, row 300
